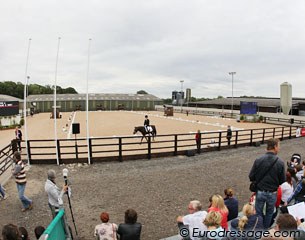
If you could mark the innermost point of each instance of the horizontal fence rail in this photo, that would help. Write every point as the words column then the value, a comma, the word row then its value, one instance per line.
column 127, row 148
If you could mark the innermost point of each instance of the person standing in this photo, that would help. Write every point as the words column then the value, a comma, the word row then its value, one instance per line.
column 229, row 135
column 54, row 193
column 146, row 124
column 198, row 140
column 18, row 135
column 269, row 173
column 2, row 192
column 20, row 178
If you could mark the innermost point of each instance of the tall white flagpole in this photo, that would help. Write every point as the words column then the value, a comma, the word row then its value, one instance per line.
column 26, row 81
column 87, row 103
column 54, row 103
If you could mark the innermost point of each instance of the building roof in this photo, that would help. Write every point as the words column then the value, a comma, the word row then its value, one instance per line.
column 9, row 98
column 93, row 96
column 261, row 102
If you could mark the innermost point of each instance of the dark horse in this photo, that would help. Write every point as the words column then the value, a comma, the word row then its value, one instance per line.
column 142, row 130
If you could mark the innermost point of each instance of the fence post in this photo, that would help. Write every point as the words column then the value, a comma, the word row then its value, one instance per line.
column 199, row 144
column 290, row 132
column 120, row 150
column 29, row 152
column 90, row 148
column 251, row 137
column 149, row 147
column 263, row 140
column 219, row 141
column 176, row 145
column 58, row 151
column 282, row 133
column 273, row 133
column 236, row 138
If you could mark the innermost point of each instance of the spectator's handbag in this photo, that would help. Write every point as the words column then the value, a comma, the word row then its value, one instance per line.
column 253, row 184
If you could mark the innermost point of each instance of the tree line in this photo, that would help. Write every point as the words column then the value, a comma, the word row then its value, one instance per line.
column 17, row 89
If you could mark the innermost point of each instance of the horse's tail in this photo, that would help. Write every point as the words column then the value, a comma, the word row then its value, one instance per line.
column 155, row 130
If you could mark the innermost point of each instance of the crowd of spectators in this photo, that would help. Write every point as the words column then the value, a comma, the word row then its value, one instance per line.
column 278, row 187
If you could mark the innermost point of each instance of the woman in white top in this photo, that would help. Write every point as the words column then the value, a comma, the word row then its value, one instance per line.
column 287, row 188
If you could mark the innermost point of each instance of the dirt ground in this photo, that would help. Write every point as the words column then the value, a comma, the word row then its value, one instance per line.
column 158, row 189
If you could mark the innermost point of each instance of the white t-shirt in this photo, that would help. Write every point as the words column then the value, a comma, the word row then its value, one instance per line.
column 195, row 220
column 287, row 190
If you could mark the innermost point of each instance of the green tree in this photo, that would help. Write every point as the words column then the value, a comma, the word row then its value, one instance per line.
column 141, row 92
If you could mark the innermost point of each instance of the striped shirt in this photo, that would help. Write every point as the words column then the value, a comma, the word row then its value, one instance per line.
column 19, row 173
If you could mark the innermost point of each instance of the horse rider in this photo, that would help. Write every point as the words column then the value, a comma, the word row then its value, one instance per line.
column 146, row 124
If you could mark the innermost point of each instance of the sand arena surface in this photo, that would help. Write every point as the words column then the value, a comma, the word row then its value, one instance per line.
column 122, row 123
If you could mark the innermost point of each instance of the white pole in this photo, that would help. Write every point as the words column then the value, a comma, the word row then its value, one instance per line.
column 87, row 103
column 54, row 103
column 232, row 103
column 26, row 81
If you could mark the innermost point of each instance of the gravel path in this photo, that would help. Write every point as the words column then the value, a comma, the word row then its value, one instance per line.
column 158, row 189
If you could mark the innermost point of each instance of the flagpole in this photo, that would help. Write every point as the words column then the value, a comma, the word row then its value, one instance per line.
column 26, row 81
column 87, row 104
column 54, row 103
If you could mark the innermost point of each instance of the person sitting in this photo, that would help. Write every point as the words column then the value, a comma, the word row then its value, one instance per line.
column 106, row 230
column 10, row 232
column 39, row 231
column 194, row 219
column 213, row 222
column 232, row 203
column 299, row 192
column 130, row 229
column 295, row 160
column 24, row 233
column 218, row 205
column 249, row 221
column 287, row 188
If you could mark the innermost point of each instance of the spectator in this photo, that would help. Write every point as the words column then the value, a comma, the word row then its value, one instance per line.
column 295, row 160
column 24, row 233
column 213, row 222
column 194, row 219
column 250, row 221
column 18, row 135
column 229, row 135
column 10, row 232
column 287, row 188
column 39, row 231
column 106, row 230
column 54, row 193
column 299, row 192
column 268, row 170
column 130, row 230
column 232, row 203
column 3, row 193
column 198, row 140
column 218, row 205
column 20, row 178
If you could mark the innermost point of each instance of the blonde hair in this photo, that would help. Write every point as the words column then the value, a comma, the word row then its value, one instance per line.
column 248, row 210
column 218, row 202
column 213, row 219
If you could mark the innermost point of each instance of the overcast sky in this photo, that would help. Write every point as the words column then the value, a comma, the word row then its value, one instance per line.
column 153, row 44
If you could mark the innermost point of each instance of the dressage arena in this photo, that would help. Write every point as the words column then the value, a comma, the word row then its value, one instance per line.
column 114, row 124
